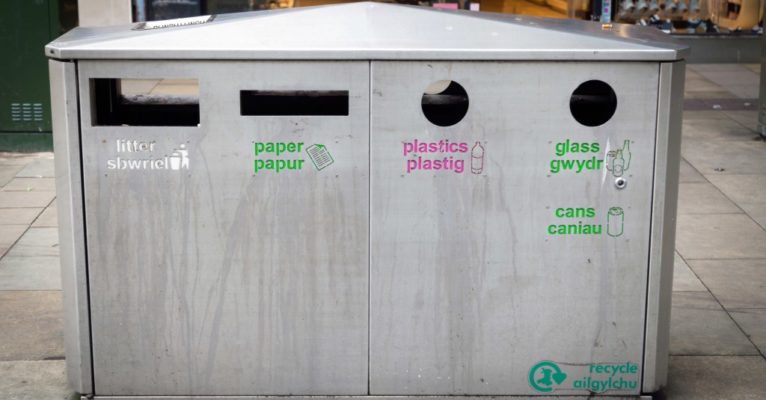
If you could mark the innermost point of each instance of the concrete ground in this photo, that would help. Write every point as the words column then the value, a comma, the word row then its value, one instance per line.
column 718, row 330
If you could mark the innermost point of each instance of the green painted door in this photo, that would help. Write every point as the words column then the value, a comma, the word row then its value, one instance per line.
column 26, row 26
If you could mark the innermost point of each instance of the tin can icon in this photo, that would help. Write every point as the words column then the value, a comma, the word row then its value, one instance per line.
column 477, row 158
column 615, row 220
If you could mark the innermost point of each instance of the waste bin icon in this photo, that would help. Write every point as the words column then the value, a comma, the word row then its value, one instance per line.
column 366, row 200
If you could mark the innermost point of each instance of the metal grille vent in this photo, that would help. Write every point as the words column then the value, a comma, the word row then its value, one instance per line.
column 26, row 112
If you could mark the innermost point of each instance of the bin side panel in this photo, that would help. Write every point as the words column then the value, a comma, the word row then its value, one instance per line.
column 66, row 146
column 504, row 260
column 210, row 277
column 668, row 160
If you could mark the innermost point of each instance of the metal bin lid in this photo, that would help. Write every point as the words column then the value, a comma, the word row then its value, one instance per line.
column 368, row 31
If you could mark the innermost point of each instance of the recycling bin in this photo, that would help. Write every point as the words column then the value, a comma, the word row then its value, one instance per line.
column 366, row 200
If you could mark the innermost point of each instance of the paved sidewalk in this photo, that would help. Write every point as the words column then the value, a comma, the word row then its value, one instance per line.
column 718, row 331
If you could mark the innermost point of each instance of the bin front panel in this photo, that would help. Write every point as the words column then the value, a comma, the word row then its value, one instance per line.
column 235, row 260
column 504, row 259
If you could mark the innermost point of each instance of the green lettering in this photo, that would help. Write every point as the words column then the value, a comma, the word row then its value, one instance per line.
column 281, row 147
column 280, row 165
column 555, row 166
column 600, row 369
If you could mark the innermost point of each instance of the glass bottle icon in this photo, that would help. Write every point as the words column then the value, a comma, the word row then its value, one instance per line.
column 618, row 164
column 626, row 154
column 477, row 158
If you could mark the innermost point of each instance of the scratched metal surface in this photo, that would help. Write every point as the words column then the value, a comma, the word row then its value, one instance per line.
column 666, row 172
column 468, row 291
column 66, row 142
column 217, row 281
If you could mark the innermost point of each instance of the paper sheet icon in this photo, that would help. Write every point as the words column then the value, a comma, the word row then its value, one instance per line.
column 319, row 156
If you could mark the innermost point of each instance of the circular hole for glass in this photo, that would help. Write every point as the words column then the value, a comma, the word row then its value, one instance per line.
column 444, row 103
column 593, row 103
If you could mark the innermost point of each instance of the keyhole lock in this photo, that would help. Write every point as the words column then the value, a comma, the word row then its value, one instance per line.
column 620, row 183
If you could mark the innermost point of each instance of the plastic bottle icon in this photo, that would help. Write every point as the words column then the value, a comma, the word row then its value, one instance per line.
column 615, row 220
column 477, row 158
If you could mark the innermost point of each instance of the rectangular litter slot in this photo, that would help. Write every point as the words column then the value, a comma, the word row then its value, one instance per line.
column 145, row 102
column 293, row 102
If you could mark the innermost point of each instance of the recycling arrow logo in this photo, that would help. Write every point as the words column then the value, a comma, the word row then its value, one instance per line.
column 545, row 376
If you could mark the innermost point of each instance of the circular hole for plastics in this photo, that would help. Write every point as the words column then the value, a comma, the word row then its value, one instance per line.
column 593, row 103
column 444, row 103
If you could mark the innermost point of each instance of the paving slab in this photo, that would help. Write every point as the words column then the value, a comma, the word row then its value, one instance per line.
column 708, row 94
column 746, row 91
column 731, row 75
column 756, row 68
column 742, row 188
column 714, row 157
column 30, row 273
column 757, row 212
column 698, row 83
column 37, row 242
column 753, row 322
column 688, row 174
column 700, row 327
column 703, row 198
column 684, row 279
column 706, row 67
column 31, row 325
column 719, row 236
column 735, row 283
column 748, row 119
column 34, row 199
column 31, row 184
column 39, row 168
column 8, row 172
column 9, row 234
column 716, row 129
column 48, row 218
column 18, row 158
column 716, row 378
column 693, row 115
column 748, row 191
column 18, row 216
column 34, row 380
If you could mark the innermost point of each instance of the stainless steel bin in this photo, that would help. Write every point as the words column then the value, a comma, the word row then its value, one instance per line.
column 366, row 200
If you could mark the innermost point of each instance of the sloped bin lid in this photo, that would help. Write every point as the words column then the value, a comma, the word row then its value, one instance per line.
column 368, row 31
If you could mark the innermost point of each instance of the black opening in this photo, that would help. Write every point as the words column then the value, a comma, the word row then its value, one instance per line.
column 112, row 107
column 293, row 102
column 593, row 103
column 444, row 103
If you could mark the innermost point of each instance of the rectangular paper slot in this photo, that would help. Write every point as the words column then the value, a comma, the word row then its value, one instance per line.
column 293, row 102
column 145, row 102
